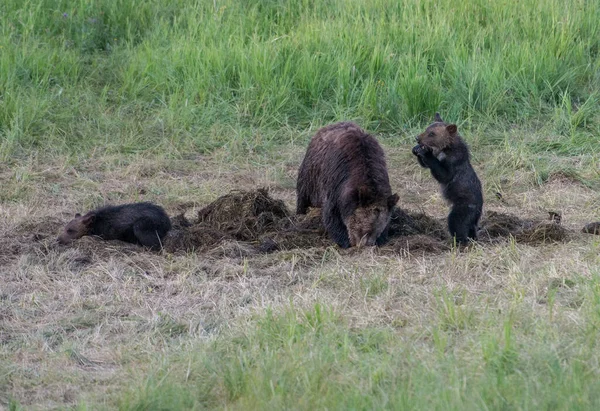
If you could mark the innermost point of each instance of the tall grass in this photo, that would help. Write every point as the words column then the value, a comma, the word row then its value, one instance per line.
column 177, row 75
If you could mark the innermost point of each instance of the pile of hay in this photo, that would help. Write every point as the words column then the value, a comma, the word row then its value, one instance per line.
column 245, row 215
column 496, row 225
column 237, row 216
column 407, row 224
column 245, row 223
column 253, row 217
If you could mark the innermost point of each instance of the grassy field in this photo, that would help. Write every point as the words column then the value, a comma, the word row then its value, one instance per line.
column 179, row 102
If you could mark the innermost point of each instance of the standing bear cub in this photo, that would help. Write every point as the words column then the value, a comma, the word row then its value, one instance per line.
column 139, row 223
column 441, row 149
column 345, row 174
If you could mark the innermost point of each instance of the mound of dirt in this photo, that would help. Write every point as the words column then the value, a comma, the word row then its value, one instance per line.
column 309, row 221
column 179, row 221
column 256, row 218
column 543, row 232
column 496, row 225
column 409, row 224
column 243, row 224
column 197, row 238
column 244, row 215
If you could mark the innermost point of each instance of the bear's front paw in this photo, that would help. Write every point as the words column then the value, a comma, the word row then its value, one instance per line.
column 420, row 150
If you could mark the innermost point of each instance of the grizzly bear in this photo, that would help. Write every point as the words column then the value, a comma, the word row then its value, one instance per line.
column 344, row 173
column 441, row 149
column 139, row 223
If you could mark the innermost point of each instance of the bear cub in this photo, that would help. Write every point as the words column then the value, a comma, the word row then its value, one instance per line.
column 345, row 174
column 139, row 223
column 441, row 149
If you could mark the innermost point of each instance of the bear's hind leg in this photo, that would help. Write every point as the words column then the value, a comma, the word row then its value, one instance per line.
column 459, row 224
column 145, row 231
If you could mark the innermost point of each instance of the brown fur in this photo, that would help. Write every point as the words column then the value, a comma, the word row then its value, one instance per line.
column 441, row 149
column 345, row 174
column 438, row 136
column 139, row 223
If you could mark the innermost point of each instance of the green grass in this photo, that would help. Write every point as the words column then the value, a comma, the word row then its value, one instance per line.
column 187, row 76
column 315, row 360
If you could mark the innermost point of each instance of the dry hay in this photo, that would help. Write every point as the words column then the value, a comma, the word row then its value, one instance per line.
column 244, row 215
column 265, row 224
column 197, row 238
column 294, row 239
column 403, row 224
column 27, row 235
column 592, row 228
column 496, row 225
column 543, row 232
column 250, row 217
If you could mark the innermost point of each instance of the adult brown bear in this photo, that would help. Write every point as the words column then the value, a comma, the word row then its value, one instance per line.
column 345, row 174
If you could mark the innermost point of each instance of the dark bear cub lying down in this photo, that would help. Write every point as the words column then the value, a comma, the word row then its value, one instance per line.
column 139, row 223
column 345, row 174
column 441, row 149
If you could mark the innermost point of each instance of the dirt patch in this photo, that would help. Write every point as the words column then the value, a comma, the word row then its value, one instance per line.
column 409, row 224
column 243, row 224
column 27, row 235
column 197, row 238
column 496, row 225
column 265, row 225
column 293, row 239
column 247, row 223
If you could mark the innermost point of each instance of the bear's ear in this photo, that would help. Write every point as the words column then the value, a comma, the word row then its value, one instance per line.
column 438, row 118
column 392, row 200
column 452, row 129
column 77, row 215
column 88, row 219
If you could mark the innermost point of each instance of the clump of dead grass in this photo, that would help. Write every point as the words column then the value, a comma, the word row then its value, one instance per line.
column 261, row 224
column 404, row 223
column 28, row 235
column 253, row 219
column 497, row 225
column 244, row 215
column 414, row 244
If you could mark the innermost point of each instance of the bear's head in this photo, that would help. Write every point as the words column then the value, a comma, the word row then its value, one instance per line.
column 367, row 222
column 438, row 136
column 76, row 228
